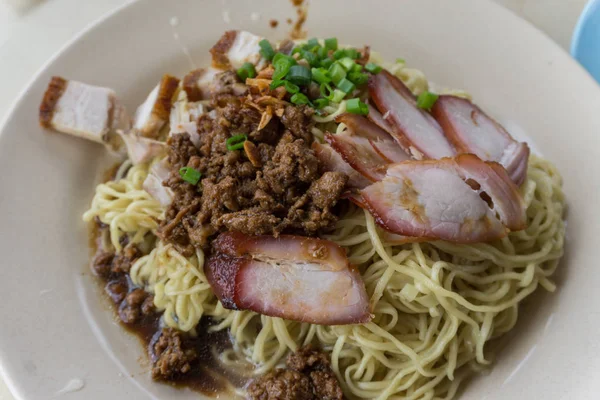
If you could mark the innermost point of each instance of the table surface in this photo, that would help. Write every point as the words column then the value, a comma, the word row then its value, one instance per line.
column 31, row 31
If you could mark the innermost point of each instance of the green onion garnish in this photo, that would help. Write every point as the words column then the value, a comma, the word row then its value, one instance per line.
column 322, row 52
column 320, row 103
column 426, row 100
column 190, row 175
column 297, row 49
column 246, row 71
column 340, row 53
column 266, row 50
column 347, row 63
column 282, row 64
column 346, row 86
column 356, row 68
column 236, row 142
column 326, row 90
column 312, row 43
column 355, row 106
column 331, row 44
column 337, row 96
column 312, row 58
column 299, row 99
column 358, row 78
column 352, row 53
column 326, row 63
column 373, row 68
column 337, row 73
column 400, row 61
column 289, row 87
column 299, row 75
column 320, row 75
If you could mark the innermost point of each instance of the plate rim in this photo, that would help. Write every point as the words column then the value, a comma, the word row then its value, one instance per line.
column 19, row 102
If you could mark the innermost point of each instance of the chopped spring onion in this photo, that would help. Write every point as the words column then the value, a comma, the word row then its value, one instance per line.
column 347, row 63
column 326, row 63
column 358, row 78
column 320, row 75
column 299, row 75
column 246, row 71
column 312, row 58
column 320, row 103
column 336, row 96
column 289, row 86
column 190, row 175
column 355, row 106
column 340, row 53
column 236, row 142
column 299, row 99
column 282, row 64
column 297, row 49
column 337, row 73
column 322, row 52
column 346, row 86
column 400, row 61
column 326, row 90
column 356, row 68
column 352, row 53
column 373, row 68
column 266, row 50
column 331, row 44
column 426, row 100
column 312, row 43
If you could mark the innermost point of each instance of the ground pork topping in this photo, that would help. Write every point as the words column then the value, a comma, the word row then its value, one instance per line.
column 272, row 184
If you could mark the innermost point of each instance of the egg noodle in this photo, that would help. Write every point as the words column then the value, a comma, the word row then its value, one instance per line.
column 435, row 304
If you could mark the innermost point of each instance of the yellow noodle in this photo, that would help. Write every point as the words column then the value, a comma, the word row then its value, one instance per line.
column 435, row 305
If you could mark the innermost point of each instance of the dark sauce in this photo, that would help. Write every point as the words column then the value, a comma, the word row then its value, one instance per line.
column 207, row 376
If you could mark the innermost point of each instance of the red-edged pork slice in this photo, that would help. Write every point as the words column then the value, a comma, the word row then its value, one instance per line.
column 395, row 239
column 381, row 141
column 415, row 130
column 376, row 118
column 355, row 198
column 429, row 199
column 291, row 277
column 491, row 181
column 515, row 159
column 332, row 161
column 471, row 131
column 359, row 154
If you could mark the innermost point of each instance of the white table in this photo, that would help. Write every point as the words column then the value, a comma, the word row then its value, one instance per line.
column 30, row 35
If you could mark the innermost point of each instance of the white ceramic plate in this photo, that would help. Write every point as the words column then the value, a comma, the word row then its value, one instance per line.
column 55, row 330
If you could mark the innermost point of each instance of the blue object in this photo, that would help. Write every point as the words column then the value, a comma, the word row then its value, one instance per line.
column 585, row 46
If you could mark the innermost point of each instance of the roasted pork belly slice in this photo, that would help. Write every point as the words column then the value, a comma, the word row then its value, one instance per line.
column 332, row 161
column 184, row 117
column 379, row 139
column 292, row 277
column 235, row 48
column 414, row 129
column 430, row 199
column 197, row 83
column 141, row 149
column 83, row 110
column 151, row 116
column 358, row 152
column 153, row 184
column 471, row 131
